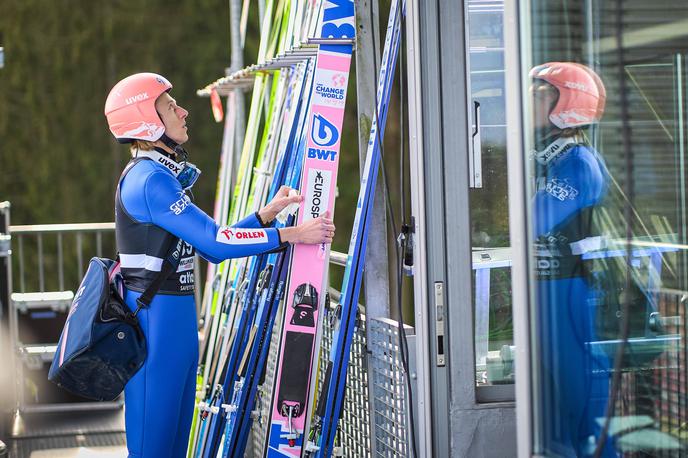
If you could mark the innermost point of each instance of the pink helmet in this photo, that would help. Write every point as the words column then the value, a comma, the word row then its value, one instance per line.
column 582, row 95
column 130, row 107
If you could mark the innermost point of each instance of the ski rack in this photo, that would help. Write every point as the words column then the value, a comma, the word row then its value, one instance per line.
column 244, row 78
column 353, row 434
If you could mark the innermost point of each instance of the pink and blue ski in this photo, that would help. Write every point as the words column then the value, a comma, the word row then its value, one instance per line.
column 307, row 283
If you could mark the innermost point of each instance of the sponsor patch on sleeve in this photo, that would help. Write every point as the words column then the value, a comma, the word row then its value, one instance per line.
column 178, row 206
column 561, row 189
column 238, row 236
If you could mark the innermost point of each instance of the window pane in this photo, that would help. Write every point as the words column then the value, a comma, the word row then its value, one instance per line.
column 606, row 130
column 488, row 195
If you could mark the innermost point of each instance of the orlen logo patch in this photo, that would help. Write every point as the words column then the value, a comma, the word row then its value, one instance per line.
column 238, row 236
column 323, row 132
column 136, row 98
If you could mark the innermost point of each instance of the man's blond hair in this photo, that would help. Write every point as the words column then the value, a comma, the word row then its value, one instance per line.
column 141, row 145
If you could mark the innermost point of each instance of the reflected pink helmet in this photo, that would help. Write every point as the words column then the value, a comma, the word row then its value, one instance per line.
column 582, row 95
column 130, row 107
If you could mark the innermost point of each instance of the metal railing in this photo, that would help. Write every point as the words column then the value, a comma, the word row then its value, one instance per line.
column 48, row 260
column 49, row 241
column 46, row 245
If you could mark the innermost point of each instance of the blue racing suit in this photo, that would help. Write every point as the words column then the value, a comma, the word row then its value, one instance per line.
column 571, row 182
column 151, row 209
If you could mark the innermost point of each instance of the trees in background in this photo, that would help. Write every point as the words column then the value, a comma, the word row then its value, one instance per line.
column 58, row 162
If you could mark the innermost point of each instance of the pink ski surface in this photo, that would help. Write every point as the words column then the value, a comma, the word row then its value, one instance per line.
column 309, row 262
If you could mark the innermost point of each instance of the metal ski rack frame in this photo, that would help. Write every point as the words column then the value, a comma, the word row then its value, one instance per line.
column 376, row 291
column 244, row 77
column 7, row 378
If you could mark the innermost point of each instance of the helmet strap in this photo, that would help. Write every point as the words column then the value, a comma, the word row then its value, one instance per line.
column 545, row 135
column 180, row 153
column 556, row 149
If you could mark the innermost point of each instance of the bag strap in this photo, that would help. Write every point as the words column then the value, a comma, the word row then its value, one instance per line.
column 169, row 266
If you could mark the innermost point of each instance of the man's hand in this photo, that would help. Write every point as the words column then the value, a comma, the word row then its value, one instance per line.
column 315, row 231
column 277, row 204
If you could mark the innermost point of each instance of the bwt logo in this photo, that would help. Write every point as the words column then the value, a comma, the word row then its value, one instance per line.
column 323, row 132
column 321, row 154
column 136, row 98
column 338, row 22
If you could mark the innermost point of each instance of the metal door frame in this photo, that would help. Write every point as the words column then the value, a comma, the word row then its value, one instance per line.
column 451, row 422
column 518, row 221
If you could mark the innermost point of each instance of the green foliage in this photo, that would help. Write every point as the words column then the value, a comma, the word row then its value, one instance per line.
column 58, row 160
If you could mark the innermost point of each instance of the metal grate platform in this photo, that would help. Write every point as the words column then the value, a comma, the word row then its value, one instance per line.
column 62, row 446
column 68, row 434
column 51, row 424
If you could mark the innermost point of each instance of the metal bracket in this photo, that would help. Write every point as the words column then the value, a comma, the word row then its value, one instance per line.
column 293, row 434
column 440, row 314
column 5, row 245
column 244, row 77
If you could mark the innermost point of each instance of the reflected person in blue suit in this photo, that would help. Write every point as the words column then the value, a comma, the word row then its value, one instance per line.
column 571, row 182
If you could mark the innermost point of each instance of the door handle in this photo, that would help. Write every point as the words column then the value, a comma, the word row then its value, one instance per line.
column 475, row 160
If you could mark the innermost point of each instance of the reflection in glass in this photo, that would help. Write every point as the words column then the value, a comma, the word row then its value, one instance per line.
column 606, row 127
column 571, row 181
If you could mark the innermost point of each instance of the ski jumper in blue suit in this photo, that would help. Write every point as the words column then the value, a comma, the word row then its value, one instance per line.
column 571, row 181
column 151, row 209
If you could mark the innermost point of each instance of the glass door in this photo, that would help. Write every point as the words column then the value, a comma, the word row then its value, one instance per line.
column 604, row 127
